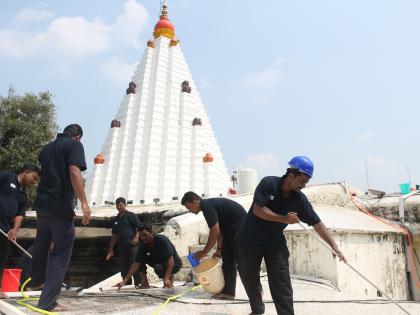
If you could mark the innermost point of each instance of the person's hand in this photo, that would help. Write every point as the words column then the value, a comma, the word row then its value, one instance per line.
column 133, row 242
column 199, row 255
column 11, row 235
column 86, row 214
column 119, row 285
column 167, row 283
column 110, row 254
column 218, row 253
column 144, row 286
column 291, row 218
column 340, row 254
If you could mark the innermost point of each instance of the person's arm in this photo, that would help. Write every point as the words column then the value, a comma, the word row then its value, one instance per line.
column 133, row 269
column 112, row 243
column 327, row 237
column 135, row 240
column 167, row 279
column 218, row 252
column 17, row 223
column 213, row 236
column 266, row 214
column 77, row 184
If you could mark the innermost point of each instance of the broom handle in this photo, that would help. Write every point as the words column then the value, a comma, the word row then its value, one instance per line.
column 17, row 245
column 351, row 267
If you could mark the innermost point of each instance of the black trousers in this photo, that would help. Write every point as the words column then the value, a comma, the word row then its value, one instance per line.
column 160, row 269
column 61, row 232
column 126, row 259
column 4, row 253
column 278, row 278
column 230, row 262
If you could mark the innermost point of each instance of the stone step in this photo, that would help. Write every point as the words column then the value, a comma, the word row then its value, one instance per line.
column 184, row 274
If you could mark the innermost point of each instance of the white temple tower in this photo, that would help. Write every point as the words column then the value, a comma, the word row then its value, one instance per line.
column 161, row 142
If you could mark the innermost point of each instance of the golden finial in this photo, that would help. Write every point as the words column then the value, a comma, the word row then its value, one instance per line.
column 164, row 9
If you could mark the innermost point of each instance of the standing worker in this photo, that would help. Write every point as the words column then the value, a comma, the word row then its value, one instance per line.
column 158, row 252
column 224, row 217
column 278, row 201
column 62, row 162
column 125, row 232
column 13, row 206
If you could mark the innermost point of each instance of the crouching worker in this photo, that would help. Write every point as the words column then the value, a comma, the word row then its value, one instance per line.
column 158, row 252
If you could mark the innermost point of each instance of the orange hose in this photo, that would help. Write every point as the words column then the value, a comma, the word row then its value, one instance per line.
column 399, row 228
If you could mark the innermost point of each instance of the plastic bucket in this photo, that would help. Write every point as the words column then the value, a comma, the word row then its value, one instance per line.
column 405, row 188
column 210, row 275
column 11, row 280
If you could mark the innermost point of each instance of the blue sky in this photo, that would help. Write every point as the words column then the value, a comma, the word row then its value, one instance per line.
column 337, row 81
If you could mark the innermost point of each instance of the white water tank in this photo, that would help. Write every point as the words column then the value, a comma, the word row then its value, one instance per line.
column 247, row 180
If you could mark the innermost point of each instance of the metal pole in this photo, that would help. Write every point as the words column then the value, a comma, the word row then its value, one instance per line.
column 17, row 245
column 351, row 267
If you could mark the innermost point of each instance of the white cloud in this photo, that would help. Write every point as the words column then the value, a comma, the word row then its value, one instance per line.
column 74, row 37
column 268, row 78
column 117, row 71
column 33, row 14
column 368, row 135
column 265, row 164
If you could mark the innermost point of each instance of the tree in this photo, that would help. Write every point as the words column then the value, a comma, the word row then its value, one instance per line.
column 26, row 124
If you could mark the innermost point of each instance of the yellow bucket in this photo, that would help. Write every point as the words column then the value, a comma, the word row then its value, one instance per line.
column 210, row 275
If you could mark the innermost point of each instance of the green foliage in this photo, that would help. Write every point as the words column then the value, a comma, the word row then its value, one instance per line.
column 26, row 124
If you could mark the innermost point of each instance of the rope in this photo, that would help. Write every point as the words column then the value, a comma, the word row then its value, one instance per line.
column 26, row 298
column 162, row 306
column 351, row 267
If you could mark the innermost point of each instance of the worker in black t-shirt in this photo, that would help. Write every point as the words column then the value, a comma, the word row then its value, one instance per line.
column 278, row 201
column 125, row 233
column 158, row 252
column 224, row 217
column 13, row 206
column 62, row 162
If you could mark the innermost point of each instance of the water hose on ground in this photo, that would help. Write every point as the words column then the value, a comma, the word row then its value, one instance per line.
column 26, row 299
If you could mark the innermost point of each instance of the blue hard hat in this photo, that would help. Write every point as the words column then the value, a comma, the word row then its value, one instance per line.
column 302, row 164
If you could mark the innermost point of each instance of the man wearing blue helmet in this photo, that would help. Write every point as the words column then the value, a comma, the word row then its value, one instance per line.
column 278, row 201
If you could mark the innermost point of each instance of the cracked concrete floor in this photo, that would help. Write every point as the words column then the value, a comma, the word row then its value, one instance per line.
column 310, row 298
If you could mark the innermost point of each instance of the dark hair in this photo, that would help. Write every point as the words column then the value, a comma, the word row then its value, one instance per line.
column 293, row 171
column 189, row 196
column 120, row 200
column 73, row 130
column 145, row 226
column 27, row 167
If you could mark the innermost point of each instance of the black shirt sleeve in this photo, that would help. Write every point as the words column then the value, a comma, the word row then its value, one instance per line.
column 77, row 156
column 308, row 214
column 4, row 178
column 22, row 204
column 166, row 249
column 135, row 222
column 263, row 192
column 211, row 216
column 141, row 254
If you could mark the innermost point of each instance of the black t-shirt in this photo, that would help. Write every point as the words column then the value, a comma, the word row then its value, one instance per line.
column 269, row 235
column 12, row 200
column 125, row 227
column 55, row 196
column 229, row 214
column 159, row 253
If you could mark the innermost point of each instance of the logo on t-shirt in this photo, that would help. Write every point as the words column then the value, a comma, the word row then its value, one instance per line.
column 116, row 223
column 148, row 254
column 12, row 185
column 271, row 197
